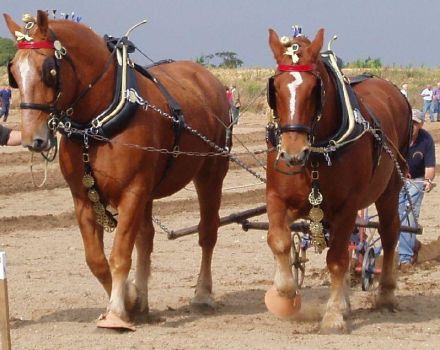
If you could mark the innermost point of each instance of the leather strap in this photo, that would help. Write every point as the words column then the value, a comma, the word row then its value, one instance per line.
column 296, row 127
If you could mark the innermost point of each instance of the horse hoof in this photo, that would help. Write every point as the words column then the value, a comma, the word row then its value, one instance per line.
column 112, row 321
column 387, row 302
column 334, row 325
column 135, row 300
column 282, row 307
column 203, row 304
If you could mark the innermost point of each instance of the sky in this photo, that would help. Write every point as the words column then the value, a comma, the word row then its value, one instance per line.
column 399, row 32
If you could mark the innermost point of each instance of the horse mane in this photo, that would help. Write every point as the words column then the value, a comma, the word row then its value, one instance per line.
column 68, row 32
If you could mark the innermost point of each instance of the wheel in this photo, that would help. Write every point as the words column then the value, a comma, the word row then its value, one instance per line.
column 368, row 267
column 298, row 259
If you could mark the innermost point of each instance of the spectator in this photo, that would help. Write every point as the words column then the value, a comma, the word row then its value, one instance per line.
column 436, row 102
column 404, row 90
column 9, row 137
column 427, row 102
column 236, row 104
column 229, row 97
column 421, row 163
column 5, row 96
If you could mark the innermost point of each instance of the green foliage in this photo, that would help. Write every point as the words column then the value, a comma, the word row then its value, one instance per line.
column 366, row 63
column 226, row 59
column 7, row 50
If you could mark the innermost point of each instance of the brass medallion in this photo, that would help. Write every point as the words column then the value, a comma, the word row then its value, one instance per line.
column 315, row 200
column 316, row 228
column 93, row 195
column 98, row 208
column 316, row 214
column 88, row 180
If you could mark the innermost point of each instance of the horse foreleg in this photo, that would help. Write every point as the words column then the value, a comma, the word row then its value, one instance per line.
column 389, row 226
column 137, row 292
column 338, row 304
column 279, row 241
column 131, row 216
column 92, row 235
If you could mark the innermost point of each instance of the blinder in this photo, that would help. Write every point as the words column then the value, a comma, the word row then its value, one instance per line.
column 12, row 82
column 49, row 74
column 271, row 96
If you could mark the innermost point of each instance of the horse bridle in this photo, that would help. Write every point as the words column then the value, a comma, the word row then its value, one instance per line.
column 51, row 76
column 271, row 98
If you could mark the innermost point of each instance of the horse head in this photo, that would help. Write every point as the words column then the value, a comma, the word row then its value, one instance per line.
column 49, row 75
column 295, row 94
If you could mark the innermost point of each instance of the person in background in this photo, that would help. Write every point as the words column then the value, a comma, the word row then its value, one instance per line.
column 436, row 102
column 236, row 104
column 404, row 90
column 5, row 96
column 229, row 97
column 427, row 102
column 421, row 164
column 9, row 137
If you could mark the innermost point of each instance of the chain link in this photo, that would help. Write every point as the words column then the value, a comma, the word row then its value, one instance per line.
column 400, row 173
column 162, row 226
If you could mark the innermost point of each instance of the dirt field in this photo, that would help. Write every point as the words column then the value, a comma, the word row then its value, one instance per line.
column 55, row 300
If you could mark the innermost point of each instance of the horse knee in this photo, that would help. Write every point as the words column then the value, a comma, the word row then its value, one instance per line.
column 279, row 243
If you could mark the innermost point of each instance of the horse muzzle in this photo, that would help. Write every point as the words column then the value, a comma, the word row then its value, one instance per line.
column 40, row 144
column 298, row 159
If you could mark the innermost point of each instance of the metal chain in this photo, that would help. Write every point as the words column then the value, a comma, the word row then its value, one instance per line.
column 399, row 172
column 162, row 226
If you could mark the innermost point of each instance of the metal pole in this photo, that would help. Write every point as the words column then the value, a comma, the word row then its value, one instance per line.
column 4, row 305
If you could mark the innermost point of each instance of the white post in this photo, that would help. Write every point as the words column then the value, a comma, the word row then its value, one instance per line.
column 4, row 305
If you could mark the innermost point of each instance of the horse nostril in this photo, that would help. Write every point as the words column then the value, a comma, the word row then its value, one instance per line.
column 38, row 144
column 303, row 155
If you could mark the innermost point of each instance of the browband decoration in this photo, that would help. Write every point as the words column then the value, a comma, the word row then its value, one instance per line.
column 296, row 67
column 35, row 45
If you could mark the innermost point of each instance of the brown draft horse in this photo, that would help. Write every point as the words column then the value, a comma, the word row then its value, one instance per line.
column 128, row 178
column 353, row 180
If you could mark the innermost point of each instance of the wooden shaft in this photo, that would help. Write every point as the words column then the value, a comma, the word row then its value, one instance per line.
column 236, row 217
column 304, row 226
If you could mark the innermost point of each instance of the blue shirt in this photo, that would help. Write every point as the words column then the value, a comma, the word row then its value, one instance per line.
column 421, row 155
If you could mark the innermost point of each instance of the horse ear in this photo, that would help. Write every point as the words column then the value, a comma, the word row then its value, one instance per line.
column 12, row 26
column 42, row 22
column 316, row 45
column 275, row 45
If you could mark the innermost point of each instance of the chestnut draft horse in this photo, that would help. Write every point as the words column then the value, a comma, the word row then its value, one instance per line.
column 64, row 70
column 348, row 175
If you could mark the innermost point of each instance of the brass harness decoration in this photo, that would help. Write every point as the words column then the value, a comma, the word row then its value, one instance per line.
column 316, row 214
column 102, row 215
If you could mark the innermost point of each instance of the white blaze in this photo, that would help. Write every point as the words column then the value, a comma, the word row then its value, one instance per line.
column 25, row 73
column 292, row 88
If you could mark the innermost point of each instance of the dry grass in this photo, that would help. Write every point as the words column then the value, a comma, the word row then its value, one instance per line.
column 251, row 82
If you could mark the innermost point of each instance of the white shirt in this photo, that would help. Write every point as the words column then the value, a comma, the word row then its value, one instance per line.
column 427, row 95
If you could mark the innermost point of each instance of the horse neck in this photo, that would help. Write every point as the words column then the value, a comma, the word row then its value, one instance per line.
column 330, row 109
column 89, row 56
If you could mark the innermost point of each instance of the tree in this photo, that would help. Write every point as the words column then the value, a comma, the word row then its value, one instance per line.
column 227, row 59
column 7, row 50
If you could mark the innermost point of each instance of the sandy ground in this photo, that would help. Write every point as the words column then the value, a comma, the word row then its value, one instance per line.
column 55, row 300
